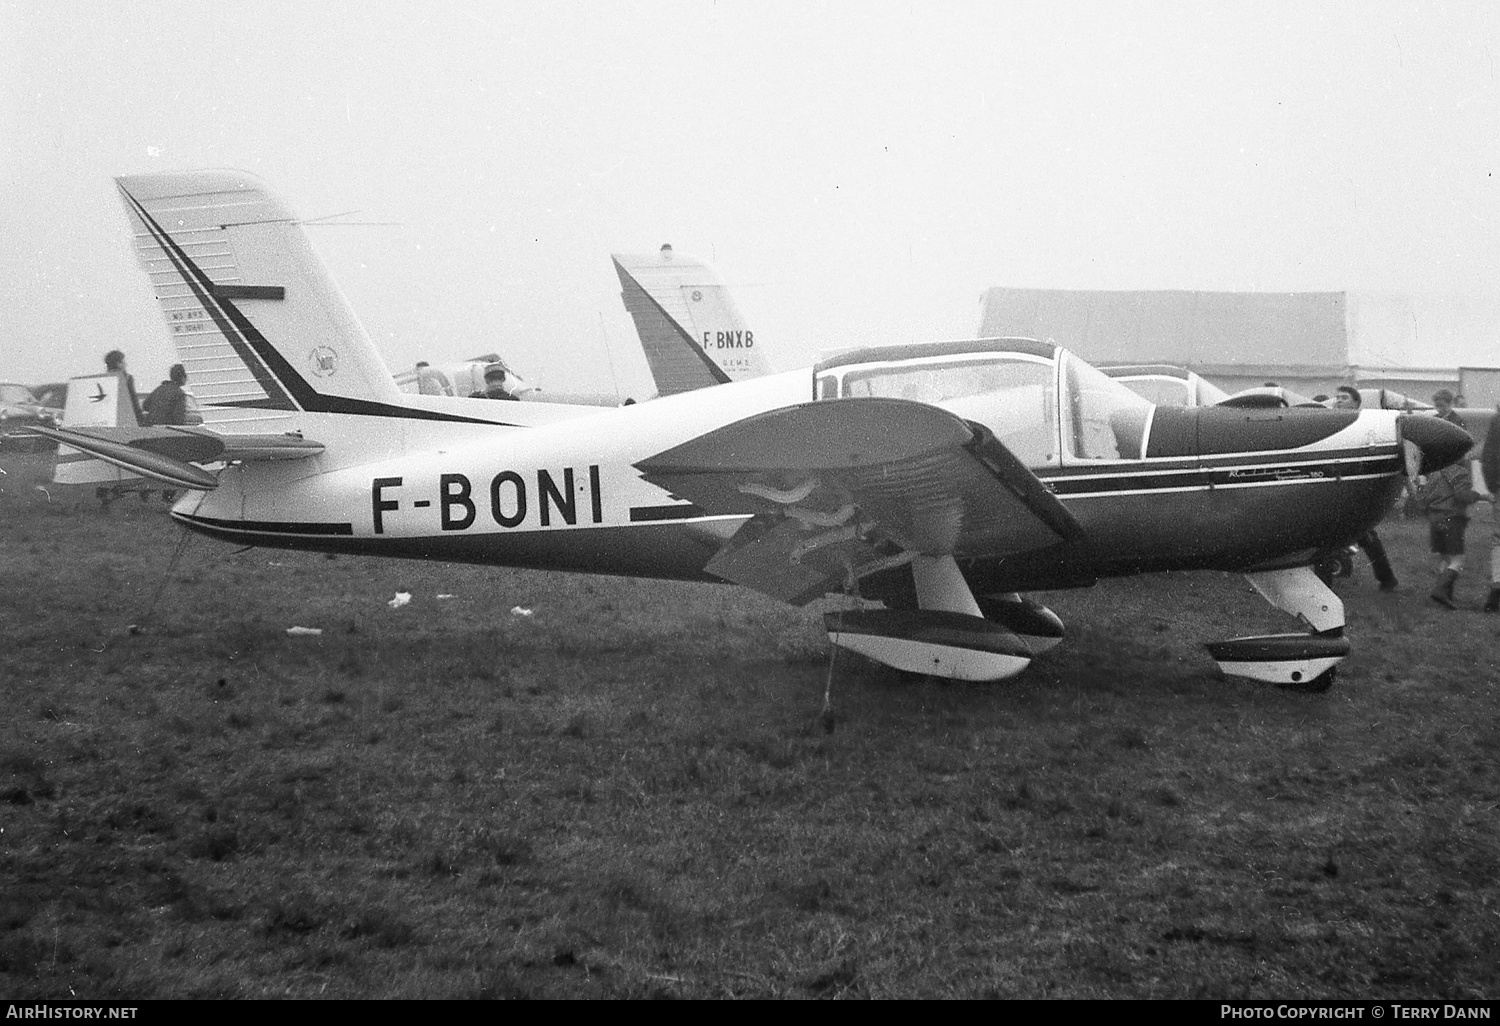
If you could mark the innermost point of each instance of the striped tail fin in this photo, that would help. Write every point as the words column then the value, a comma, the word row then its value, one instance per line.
column 690, row 329
column 256, row 320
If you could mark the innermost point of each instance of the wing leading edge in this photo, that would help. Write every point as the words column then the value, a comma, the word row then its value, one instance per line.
column 840, row 489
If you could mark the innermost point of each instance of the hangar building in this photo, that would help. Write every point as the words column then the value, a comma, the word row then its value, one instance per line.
column 1310, row 342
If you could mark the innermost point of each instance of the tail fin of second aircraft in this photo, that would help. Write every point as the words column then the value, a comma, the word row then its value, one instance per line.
column 690, row 329
column 94, row 400
column 257, row 322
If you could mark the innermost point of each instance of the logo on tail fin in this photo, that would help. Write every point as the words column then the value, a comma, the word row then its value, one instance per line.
column 324, row 361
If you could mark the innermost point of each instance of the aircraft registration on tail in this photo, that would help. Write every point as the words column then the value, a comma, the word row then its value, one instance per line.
column 942, row 480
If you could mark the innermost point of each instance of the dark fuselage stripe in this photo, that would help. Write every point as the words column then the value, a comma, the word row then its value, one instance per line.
column 1226, row 477
column 1216, row 461
column 675, row 511
column 278, row 527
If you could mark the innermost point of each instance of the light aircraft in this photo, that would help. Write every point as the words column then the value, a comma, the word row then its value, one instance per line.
column 1167, row 385
column 102, row 402
column 462, row 378
column 941, row 480
column 20, row 409
column 466, row 379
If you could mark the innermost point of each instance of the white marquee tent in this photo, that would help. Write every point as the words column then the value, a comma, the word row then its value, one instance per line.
column 1309, row 341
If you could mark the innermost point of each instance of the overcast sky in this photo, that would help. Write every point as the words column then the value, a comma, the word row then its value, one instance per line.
column 858, row 172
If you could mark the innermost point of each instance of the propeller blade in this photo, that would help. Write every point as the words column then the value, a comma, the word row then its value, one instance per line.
column 1413, row 453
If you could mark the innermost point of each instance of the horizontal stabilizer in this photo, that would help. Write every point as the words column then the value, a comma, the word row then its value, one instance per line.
column 256, row 448
column 137, row 460
column 199, row 445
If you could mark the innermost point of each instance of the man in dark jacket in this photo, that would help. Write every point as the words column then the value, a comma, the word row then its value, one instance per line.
column 495, row 386
column 1446, row 497
column 1443, row 400
column 167, row 403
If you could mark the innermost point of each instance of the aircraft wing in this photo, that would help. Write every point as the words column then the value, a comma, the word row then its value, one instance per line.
column 167, row 454
column 840, row 488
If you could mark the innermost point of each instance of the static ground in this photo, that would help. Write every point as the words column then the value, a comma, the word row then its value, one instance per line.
column 630, row 791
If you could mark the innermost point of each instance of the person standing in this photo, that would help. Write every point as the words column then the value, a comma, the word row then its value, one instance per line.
column 1446, row 497
column 1443, row 400
column 167, row 403
column 114, row 363
column 1489, row 471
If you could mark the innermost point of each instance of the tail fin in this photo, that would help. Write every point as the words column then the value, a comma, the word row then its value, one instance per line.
column 99, row 400
column 94, row 400
column 689, row 327
column 258, row 324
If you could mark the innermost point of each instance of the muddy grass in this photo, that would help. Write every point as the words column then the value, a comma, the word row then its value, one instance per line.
column 630, row 792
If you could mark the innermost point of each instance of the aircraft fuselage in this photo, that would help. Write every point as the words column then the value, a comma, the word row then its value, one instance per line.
column 568, row 496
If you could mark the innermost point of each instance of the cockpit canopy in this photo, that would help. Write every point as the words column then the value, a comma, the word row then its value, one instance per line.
column 1046, row 405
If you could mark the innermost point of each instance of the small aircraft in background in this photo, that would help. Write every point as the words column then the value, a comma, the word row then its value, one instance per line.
column 941, row 480
column 489, row 377
column 462, row 378
column 1167, row 385
column 21, row 408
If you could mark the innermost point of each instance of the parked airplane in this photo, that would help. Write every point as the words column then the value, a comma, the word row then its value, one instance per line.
column 941, row 479
column 476, row 378
column 1167, row 385
column 20, row 409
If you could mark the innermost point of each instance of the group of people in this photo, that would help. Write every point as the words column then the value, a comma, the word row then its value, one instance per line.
column 167, row 403
column 1445, row 498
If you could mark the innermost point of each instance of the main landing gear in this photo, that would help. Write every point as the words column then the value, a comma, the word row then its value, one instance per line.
column 948, row 635
column 1301, row 662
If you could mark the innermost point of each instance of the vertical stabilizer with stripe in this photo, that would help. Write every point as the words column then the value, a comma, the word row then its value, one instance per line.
column 692, row 333
column 257, row 322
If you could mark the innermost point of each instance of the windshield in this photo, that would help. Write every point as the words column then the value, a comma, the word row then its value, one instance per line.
column 1012, row 395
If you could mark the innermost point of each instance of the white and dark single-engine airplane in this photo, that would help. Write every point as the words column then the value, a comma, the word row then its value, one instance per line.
column 942, row 480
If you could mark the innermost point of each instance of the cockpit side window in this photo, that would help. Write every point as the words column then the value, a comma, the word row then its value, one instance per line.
column 1162, row 391
column 828, row 386
column 1103, row 420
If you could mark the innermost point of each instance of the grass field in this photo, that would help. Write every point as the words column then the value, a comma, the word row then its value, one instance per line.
column 630, row 792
